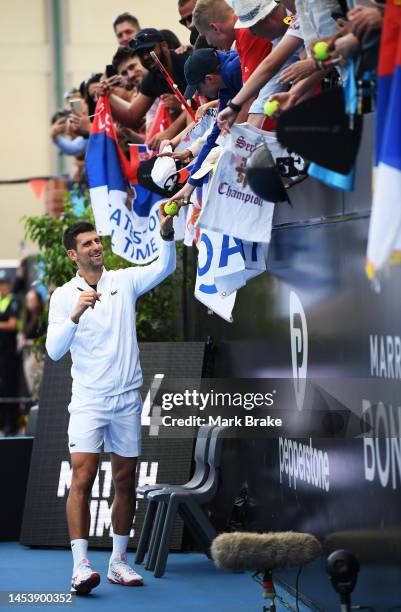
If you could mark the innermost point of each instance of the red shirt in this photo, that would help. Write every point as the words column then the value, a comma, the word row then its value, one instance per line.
column 251, row 50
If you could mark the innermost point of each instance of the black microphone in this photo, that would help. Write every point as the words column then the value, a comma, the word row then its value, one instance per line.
column 343, row 568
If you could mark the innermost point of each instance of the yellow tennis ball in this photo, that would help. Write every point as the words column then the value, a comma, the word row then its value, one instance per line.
column 171, row 209
column 321, row 51
column 271, row 107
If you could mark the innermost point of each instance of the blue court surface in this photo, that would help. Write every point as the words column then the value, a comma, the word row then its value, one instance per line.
column 191, row 584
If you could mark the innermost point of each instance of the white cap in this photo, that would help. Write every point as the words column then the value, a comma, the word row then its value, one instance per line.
column 250, row 12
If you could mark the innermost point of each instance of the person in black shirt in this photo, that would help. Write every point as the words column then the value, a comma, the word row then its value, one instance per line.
column 9, row 312
column 153, row 85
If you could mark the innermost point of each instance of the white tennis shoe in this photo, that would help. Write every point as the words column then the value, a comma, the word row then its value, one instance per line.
column 84, row 579
column 120, row 572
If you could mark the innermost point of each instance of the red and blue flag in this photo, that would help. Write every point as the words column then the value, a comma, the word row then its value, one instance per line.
column 134, row 228
column 384, row 242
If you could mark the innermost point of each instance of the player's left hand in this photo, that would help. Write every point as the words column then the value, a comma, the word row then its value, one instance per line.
column 166, row 221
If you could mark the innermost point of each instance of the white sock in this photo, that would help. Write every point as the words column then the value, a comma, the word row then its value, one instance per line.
column 79, row 550
column 120, row 543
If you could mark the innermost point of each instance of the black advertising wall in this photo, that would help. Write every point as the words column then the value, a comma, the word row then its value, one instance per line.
column 162, row 460
column 315, row 316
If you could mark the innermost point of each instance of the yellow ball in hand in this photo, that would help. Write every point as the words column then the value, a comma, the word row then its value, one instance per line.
column 321, row 51
column 171, row 209
column 271, row 107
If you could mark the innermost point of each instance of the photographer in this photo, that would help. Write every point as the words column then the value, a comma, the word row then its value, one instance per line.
column 70, row 128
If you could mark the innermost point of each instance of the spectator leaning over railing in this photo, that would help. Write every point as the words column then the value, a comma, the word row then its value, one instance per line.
column 267, row 19
column 342, row 44
column 216, row 20
column 128, row 66
column 354, row 33
column 153, row 85
column 213, row 74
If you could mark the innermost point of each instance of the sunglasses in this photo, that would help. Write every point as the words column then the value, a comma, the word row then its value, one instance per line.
column 185, row 20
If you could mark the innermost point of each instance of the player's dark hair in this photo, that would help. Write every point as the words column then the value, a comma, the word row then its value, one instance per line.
column 71, row 233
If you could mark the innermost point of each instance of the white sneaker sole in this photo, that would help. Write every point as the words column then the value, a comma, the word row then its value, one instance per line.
column 84, row 588
column 133, row 582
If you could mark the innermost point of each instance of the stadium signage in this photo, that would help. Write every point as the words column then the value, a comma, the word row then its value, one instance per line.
column 305, row 463
column 385, row 356
column 382, row 454
column 299, row 347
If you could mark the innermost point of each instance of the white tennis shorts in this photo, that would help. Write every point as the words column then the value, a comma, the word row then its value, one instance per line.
column 114, row 420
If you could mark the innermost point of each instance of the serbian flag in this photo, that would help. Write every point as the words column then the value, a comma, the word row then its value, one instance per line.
column 384, row 243
column 106, row 166
column 134, row 230
column 160, row 123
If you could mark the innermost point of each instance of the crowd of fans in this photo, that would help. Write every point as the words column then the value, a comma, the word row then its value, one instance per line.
column 242, row 53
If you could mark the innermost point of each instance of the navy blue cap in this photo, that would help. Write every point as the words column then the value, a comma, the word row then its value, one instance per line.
column 200, row 63
column 146, row 39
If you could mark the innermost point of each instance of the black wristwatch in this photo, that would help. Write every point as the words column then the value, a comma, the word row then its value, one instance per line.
column 235, row 107
column 168, row 237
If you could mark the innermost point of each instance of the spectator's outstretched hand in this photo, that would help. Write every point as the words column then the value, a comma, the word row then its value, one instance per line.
column 330, row 40
column 298, row 71
column 203, row 108
column 342, row 44
column 226, row 118
column 171, row 102
column 106, row 86
column 183, row 49
column 182, row 196
column 346, row 45
column 184, row 156
column 58, row 127
column 364, row 21
column 156, row 141
column 80, row 123
column 285, row 99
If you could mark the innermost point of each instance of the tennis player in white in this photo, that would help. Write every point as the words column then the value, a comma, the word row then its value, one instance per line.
column 93, row 316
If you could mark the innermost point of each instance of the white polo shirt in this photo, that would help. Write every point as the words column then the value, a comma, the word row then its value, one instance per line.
column 104, row 348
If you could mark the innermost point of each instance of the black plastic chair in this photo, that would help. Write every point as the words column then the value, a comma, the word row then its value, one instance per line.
column 188, row 504
column 199, row 477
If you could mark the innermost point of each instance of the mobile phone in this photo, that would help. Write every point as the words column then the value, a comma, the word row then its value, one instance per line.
column 110, row 71
column 76, row 105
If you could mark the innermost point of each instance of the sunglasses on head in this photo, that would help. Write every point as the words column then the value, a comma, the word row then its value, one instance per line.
column 185, row 20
